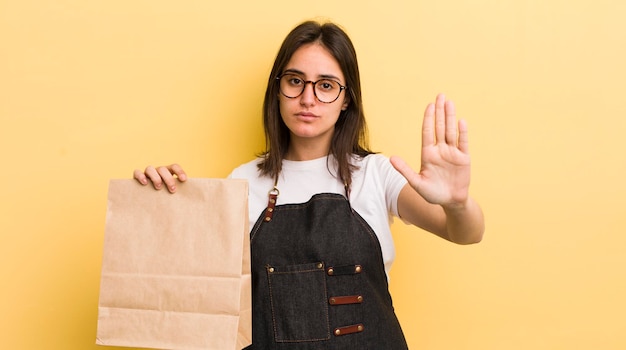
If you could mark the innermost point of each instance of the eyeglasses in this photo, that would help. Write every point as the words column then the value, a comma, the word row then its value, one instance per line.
column 325, row 90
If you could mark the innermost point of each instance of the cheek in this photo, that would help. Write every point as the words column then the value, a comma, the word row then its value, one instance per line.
column 338, row 109
column 283, row 106
column 283, row 101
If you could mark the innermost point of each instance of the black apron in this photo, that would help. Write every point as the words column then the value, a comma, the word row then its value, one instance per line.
column 318, row 279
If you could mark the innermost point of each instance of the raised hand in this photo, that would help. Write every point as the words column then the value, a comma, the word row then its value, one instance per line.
column 444, row 176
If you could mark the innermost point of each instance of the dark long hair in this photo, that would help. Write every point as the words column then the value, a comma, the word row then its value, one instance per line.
column 350, row 135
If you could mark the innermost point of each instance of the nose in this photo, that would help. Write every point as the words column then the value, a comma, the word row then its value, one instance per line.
column 307, row 98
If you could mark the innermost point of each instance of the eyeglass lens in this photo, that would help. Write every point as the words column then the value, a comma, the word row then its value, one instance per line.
column 326, row 90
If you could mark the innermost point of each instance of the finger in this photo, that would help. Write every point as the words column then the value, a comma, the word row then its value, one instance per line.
column 140, row 177
column 451, row 127
column 440, row 118
column 428, row 126
column 405, row 170
column 178, row 171
column 153, row 176
column 463, row 137
column 168, row 178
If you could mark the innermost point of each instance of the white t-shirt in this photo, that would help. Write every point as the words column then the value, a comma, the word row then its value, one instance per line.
column 374, row 193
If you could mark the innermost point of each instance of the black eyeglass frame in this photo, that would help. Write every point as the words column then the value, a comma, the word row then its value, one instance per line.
column 341, row 87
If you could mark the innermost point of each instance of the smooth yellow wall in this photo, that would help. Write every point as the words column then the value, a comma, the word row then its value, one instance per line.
column 90, row 90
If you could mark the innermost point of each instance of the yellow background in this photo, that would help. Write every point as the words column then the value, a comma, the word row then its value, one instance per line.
column 90, row 90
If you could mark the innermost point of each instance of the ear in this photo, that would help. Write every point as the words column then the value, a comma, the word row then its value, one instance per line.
column 346, row 103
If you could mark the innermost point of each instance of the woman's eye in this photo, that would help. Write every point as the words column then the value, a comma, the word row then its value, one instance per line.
column 295, row 81
column 326, row 85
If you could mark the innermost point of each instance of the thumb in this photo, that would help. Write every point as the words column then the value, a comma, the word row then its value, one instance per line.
column 405, row 170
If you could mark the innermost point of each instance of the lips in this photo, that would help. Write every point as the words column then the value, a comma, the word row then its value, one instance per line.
column 306, row 115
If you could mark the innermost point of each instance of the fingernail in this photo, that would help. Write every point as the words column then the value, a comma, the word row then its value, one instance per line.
column 173, row 188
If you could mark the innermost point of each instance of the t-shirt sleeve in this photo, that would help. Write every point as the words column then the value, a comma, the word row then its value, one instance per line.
column 393, row 183
column 244, row 171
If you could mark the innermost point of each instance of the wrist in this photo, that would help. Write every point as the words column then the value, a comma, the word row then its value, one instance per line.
column 455, row 207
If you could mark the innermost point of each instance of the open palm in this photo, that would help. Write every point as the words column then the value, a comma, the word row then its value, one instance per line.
column 444, row 176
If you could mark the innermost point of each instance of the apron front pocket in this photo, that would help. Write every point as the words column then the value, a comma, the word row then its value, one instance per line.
column 299, row 302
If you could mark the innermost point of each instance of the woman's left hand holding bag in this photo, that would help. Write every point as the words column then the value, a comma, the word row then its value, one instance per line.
column 162, row 176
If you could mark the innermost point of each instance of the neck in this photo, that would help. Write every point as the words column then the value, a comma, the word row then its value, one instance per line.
column 300, row 150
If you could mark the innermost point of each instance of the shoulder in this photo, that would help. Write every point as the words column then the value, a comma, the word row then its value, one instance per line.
column 249, row 170
column 375, row 159
column 376, row 163
column 377, row 177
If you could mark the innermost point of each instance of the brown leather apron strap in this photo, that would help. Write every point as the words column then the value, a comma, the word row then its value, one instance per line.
column 345, row 300
column 339, row 331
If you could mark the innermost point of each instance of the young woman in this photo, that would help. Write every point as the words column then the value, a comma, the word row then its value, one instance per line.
column 321, row 202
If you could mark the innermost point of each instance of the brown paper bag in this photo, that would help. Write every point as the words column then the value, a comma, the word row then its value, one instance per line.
column 176, row 267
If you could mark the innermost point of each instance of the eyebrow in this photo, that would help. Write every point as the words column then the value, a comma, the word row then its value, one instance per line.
column 321, row 76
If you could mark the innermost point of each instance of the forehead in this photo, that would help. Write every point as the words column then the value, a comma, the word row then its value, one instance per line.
column 314, row 61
